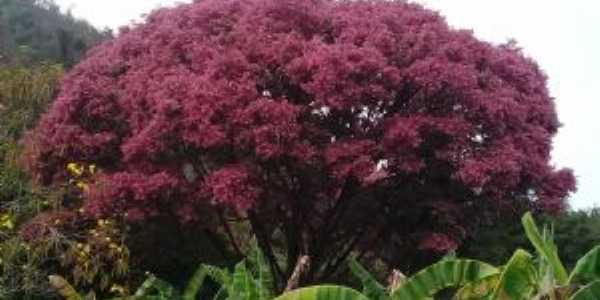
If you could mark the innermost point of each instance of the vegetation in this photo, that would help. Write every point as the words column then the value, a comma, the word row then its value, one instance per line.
column 24, row 95
column 271, row 143
column 524, row 276
column 494, row 243
column 299, row 123
column 36, row 31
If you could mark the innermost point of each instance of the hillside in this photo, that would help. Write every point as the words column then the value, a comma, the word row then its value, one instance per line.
column 36, row 30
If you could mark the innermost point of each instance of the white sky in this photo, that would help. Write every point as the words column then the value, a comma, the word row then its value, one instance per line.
column 563, row 36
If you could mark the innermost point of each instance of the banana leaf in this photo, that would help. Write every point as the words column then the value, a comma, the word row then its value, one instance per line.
column 517, row 278
column 588, row 292
column 444, row 274
column 587, row 267
column 323, row 292
column 371, row 287
column 545, row 248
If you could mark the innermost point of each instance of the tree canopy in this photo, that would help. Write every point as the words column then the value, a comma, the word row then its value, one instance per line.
column 327, row 127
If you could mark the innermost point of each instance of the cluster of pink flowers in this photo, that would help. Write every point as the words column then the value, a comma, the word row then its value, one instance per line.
column 258, row 98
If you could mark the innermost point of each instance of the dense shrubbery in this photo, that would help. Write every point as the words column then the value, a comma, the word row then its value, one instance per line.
column 324, row 128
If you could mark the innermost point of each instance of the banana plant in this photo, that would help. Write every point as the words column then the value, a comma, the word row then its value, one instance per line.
column 544, row 277
column 250, row 280
column 422, row 286
column 323, row 292
column 523, row 277
column 554, row 282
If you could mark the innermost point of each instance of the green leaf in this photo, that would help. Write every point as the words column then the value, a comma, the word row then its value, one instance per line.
column 545, row 248
column 264, row 278
column 588, row 292
column 195, row 283
column 517, row 278
column 243, row 286
column 444, row 274
column 587, row 267
column 323, row 292
column 480, row 289
column 371, row 287
column 220, row 276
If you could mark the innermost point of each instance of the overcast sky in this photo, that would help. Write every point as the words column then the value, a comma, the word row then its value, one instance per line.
column 563, row 36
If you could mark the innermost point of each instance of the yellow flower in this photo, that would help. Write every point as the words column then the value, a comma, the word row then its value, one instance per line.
column 92, row 169
column 75, row 169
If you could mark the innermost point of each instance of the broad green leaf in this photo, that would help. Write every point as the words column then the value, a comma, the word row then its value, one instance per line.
column 323, row 292
column 545, row 248
column 220, row 276
column 588, row 292
column 195, row 283
column 146, row 286
column 371, row 287
column 517, row 278
column 444, row 274
column 264, row 278
column 480, row 289
column 243, row 286
column 587, row 267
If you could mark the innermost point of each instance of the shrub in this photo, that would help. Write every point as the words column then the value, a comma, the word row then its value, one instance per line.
column 327, row 127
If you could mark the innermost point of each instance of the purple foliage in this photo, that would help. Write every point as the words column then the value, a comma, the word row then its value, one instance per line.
column 342, row 123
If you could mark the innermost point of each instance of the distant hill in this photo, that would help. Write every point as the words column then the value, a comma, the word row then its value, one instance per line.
column 36, row 30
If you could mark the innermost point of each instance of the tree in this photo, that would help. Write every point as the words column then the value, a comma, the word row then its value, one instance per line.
column 48, row 34
column 494, row 243
column 327, row 128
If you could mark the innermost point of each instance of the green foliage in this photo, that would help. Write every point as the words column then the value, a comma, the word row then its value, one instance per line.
column 522, row 277
column 24, row 95
column 36, row 30
column 495, row 244
column 371, row 287
column 250, row 280
column 515, row 280
column 444, row 274
column 323, row 292
column 545, row 246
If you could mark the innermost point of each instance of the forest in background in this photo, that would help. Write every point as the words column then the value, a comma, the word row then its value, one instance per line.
column 37, row 30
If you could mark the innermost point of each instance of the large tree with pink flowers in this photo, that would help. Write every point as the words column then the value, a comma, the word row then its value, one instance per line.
column 329, row 127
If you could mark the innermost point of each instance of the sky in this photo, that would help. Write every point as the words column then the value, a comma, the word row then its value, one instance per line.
column 562, row 36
